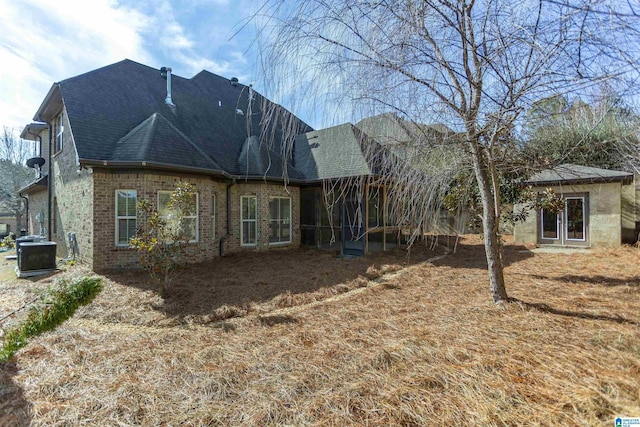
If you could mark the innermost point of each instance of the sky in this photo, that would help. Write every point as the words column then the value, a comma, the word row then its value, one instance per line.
column 42, row 42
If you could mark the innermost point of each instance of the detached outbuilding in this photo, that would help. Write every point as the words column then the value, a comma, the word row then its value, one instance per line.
column 600, row 208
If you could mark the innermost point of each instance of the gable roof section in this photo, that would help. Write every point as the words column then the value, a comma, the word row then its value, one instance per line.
column 389, row 129
column 113, row 109
column 568, row 173
column 405, row 139
column 156, row 140
column 256, row 159
column 334, row 152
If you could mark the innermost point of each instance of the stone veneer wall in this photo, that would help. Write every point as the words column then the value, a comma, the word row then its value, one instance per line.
column 147, row 184
column 72, row 198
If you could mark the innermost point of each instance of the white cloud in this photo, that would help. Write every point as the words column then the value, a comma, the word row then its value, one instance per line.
column 41, row 44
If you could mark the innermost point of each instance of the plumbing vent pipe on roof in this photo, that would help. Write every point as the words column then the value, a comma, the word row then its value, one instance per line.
column 165, row 72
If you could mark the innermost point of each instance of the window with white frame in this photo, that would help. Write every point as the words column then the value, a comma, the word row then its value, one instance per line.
column 279, row 220
column 125, row 216
column 190, row 220
column 249, row 220
column 59, row 132
column 213, row 217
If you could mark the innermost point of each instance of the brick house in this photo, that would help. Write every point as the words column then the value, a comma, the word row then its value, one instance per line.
column 115, row 135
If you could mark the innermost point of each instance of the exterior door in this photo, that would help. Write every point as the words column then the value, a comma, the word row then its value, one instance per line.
column 353, row 228
column 575, row 221
column 570, row 227
column 550, row 228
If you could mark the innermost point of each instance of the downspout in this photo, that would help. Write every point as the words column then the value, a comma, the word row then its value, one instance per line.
column 226, row 236
column 49, row 182
column 26, row 199
column 26, row 212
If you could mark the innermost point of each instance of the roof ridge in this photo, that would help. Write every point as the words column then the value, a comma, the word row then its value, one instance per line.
column 143, row 126
column 149, row 131
column 101, row 69
column 193, row 144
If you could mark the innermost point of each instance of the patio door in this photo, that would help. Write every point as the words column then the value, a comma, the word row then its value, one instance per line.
column 353, row 228
column 570, row 227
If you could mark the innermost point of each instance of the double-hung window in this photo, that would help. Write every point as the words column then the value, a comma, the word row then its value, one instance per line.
column 280, row 220
column 59, row 133
column 125, row 216
column 249, row 220
column 170, row 215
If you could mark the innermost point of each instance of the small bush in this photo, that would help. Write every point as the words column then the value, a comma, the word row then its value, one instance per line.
column 8, row 241
column 56, row 306
column 162, row 241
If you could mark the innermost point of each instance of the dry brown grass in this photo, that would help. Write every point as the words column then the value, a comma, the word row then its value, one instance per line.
column 425, row 346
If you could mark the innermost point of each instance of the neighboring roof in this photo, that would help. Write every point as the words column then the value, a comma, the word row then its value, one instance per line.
column 568, row 173
column 39, row 184
column 331, row 153
column 118, row 113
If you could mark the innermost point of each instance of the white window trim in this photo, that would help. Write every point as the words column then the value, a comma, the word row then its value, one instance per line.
column 118, row 217
column 197, row 239
column 59, row 133
column 243, row 220
column 566, row 219
column 542, row 227
column 284, row 242
column 214, row 203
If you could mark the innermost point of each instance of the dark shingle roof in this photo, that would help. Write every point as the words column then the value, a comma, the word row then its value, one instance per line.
column 255, row 158
column 118, row 113
column 157, row 140
column 577, row 173
column 331, row 153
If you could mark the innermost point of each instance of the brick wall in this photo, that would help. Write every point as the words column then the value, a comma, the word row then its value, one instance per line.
column 147, row 185
column 262, row 191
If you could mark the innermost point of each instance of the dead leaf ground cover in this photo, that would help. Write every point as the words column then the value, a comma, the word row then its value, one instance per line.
column 422, row 346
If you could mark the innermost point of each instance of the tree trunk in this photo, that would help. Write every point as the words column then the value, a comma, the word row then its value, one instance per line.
column 492, row 246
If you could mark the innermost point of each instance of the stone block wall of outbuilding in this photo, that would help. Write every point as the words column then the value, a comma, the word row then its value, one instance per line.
column 605, row 214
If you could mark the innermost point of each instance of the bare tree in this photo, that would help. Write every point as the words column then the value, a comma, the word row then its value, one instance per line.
column 13, row 173
column 472, row 65
column 13, row 148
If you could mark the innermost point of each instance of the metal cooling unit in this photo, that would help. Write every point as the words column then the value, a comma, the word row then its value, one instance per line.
column 35, row 258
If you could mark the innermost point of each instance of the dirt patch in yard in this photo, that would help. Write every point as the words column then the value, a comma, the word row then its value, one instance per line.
column 424, row 346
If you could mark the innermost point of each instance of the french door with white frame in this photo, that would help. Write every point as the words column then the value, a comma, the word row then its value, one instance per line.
column 568, row 228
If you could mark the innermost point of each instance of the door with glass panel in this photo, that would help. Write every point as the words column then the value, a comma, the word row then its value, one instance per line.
column 570, row 227
column 353, row 227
